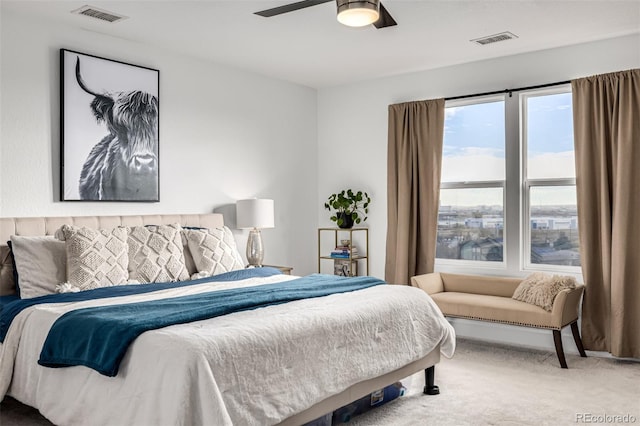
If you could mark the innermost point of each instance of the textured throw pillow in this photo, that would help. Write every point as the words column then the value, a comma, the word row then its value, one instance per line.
column 95, row 258
column 541, row 289
column 156, row 254
column 40, row 263
column 214, row 250
column 188, row 257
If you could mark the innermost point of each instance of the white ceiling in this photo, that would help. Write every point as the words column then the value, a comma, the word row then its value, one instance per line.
column 311, row 48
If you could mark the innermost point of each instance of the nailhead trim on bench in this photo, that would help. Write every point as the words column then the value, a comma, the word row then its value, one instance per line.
column 522, row 324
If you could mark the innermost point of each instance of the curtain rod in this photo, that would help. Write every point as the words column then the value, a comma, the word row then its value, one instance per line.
column 509, row 91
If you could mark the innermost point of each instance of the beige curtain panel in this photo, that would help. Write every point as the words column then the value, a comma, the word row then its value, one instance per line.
column 606, row 116
column 414, row 161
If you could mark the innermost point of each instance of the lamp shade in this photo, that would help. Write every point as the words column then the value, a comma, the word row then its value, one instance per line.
column 358, row 13
column 254, row 213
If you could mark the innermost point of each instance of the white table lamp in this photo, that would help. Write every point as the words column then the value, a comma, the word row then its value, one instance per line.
column 255, row 214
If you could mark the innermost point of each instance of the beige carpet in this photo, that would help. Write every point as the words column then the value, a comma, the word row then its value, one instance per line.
column 487, row 384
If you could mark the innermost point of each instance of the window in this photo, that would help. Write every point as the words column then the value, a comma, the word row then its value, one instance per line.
column 508, row 195
column 471, row 213
column 551, row 215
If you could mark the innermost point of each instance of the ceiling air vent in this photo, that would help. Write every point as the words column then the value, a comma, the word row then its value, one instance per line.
column 101, row 14
column 495, row 38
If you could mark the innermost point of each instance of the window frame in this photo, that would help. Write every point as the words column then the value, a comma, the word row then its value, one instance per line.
column 516, row 188
column 476, row 264
column 526, row 184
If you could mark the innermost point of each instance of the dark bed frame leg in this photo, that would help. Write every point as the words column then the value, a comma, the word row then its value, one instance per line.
column 429, row 377
column 557, row 339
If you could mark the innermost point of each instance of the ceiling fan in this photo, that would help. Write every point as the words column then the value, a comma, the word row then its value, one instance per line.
column 350, row 12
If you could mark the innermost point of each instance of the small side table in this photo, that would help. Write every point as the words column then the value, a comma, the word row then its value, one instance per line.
column 284, row 269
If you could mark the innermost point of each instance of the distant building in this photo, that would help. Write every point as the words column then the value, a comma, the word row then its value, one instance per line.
column 473, row 222
column 485, row 222
column 486, row 249
column 551, row 256
column 539, row 224
column 555, row 223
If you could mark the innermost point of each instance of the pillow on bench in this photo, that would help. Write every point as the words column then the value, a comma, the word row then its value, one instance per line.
column 541, row 289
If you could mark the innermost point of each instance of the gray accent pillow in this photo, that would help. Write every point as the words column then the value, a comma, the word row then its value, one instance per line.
column 95, row 258
column 41, row 264
column 156, row 254
column 214, row 250
column 541, row 289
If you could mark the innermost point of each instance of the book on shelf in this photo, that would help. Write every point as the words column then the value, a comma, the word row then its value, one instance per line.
column 345, row 268
column 344, row 249
column 344, row 254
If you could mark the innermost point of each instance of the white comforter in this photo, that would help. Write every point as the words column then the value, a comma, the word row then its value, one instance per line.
column 248, row 368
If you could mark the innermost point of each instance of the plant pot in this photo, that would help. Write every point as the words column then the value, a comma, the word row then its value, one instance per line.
column 347, row 220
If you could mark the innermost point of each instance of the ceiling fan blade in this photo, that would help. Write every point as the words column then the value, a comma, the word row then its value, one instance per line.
column 290, row 7
column 385, row 19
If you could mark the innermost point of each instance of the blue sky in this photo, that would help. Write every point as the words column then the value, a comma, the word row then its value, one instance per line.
column 475, row 126
column 474, row 147
column 482, row 125
column 550, row 123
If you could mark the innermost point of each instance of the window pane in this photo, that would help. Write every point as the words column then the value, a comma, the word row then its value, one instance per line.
column 470, row 224
column 554, row 225
column 474, row 143
column 550, row 151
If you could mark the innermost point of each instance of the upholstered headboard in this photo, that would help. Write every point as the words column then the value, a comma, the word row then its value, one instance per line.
column 35, row 226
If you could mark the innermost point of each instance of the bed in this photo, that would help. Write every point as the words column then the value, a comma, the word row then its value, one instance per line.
column 286, row 363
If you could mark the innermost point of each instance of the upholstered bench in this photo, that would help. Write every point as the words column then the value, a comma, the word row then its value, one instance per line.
column 490, row 299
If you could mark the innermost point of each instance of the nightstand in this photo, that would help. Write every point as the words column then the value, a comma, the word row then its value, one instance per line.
column 345, row 264
column 284, row 269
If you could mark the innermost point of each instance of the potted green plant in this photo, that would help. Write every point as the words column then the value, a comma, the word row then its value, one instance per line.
column 350, row 207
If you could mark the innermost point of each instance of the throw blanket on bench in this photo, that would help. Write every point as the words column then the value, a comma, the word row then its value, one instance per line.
column 99, row 337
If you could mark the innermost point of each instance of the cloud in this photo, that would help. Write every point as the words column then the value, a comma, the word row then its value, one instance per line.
column 479, row 163
column 483, row 151
column 470, row 197
column 450, row 112
column 470, row 167
column 551, row 165
column 553, row 196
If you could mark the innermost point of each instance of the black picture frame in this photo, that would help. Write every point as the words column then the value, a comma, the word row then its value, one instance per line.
column 109, row 130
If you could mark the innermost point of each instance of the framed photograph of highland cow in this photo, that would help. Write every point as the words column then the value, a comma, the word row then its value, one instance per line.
column 109, row 126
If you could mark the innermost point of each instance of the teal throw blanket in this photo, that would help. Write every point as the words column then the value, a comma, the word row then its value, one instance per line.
column 99, row 337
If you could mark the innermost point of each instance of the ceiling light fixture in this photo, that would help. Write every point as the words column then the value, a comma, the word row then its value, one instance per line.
column 358, row 13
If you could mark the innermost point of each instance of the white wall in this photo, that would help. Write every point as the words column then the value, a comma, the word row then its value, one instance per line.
column 224, row 135
column 352, row 119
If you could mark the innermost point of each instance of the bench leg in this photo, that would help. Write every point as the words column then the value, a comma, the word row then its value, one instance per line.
column 429, row 378
column 557, row 339
column 578, row 340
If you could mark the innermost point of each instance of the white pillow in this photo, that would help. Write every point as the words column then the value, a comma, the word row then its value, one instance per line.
column 156, row 254
column 41, row 263
column 214, row 250
column 95, row 258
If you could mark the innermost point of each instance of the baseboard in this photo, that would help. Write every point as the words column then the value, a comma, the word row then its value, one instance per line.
column 528, row 337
